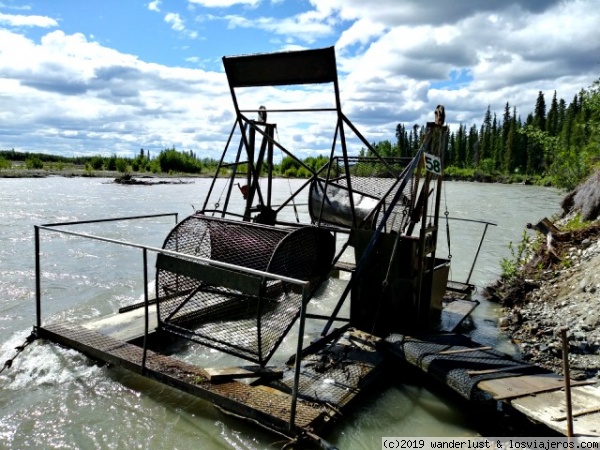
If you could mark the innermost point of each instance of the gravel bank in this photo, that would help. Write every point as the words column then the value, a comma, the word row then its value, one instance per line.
column 557, row 287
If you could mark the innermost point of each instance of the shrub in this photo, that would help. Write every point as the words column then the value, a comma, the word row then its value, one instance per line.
column 290, row 173
column 511, row 267
column 287, row 164
column 4, row 163
column 111, row 163
column 121, row 165
column 96, row 162
column 170, row 160
column 33, row 162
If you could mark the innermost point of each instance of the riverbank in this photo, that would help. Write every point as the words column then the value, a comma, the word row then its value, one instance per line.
column 21, row 171
column 82, row 172
column 557, row 287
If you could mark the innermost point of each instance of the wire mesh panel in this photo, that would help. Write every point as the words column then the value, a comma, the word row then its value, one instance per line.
column 373, row 184
column 228, row 309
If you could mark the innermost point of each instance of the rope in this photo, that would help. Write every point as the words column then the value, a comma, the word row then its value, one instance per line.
column 289, row 184
column 32, row 337
column 447, row 213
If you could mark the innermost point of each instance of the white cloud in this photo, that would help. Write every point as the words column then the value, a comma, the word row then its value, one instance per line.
column 396, row 62
column 308, row 26
column 78, row 96
column 175, row 21
column 177, row 24
column 19, row 20
column 360, row 32
column 509, row 51
column 223, row 3
column 154, row 5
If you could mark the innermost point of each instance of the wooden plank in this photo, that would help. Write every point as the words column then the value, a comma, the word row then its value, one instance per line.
column 546, row 407
column 513, row 387
column 244, row 400
column 581, row 412
column 217, row 375
column 457, row 286
column 125, row 326
column 463, row 350
column 501, row 369
column 455, row 312
column 217, row 276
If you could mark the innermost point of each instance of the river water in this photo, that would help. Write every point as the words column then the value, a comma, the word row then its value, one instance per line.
column 56, row 398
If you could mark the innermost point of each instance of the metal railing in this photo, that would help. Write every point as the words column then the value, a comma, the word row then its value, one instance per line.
column 52, row 227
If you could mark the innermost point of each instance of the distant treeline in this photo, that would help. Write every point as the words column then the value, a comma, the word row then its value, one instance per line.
column 168, row 161
column 559, row 145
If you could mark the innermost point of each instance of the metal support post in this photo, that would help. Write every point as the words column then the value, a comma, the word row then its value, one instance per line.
column 146, row 305
column 567, row 373
column 38, row 287
column 298, row 358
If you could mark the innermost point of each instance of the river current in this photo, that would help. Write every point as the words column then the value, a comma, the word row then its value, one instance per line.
column 54, row 397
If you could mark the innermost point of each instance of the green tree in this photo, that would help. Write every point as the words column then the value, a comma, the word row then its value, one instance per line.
column 288, row 163
column 111, row 163
column 34, row 162
column 485, row 137
column 540, row 112
column 96, row 162
column 5, row 163
column 121, row 165
column 553, row 117
column 170, row 160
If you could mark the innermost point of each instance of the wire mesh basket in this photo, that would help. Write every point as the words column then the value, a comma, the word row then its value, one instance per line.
column 241, row 313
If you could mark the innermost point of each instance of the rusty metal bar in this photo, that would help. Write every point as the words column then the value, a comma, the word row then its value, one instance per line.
column 298, row 359
column 224, row 265
column 146, row 304
column 406, row 174
column 567, row 373
column 38, row 288
column 477, row 253
column 290, row 110
column 114, row 219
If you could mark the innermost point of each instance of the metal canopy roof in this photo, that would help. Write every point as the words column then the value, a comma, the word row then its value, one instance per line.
column 279, row 69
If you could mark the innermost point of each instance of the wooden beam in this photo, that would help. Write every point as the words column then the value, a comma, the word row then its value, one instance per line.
column 218, row 375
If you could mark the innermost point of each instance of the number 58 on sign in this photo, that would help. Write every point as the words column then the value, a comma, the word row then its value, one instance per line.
column 433, row 163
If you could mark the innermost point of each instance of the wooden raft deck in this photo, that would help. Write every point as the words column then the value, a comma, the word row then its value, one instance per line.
column 482, row 374
column 327, row 385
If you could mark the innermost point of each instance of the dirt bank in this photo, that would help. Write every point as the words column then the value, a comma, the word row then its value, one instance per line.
column 558, row 286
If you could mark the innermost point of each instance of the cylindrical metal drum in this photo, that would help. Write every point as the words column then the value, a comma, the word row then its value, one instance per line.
column 244, row 315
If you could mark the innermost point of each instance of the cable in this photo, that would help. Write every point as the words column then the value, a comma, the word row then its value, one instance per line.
column 8, row 364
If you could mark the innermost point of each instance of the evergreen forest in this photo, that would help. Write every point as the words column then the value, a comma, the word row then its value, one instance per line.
column 556, row 144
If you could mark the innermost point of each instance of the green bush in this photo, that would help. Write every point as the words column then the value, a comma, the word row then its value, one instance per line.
column 111, row 163
column 287, row 164
column 170, row 160
column 34, row 162
column 96, row 162
column 4, row 163
column 290, row 173
column 511, row 267
column 121, row 165
column 459, row 172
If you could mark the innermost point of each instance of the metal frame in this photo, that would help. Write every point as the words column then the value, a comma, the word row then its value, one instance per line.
column 316, row 66
column 52, row 227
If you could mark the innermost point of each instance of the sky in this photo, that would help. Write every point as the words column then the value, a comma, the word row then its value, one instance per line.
column 113, row 76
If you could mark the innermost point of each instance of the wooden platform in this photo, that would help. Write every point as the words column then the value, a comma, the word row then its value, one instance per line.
column 542, row 398
column 482, row 374
column 334, row 371
column 455, row 312
column 126, row 326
